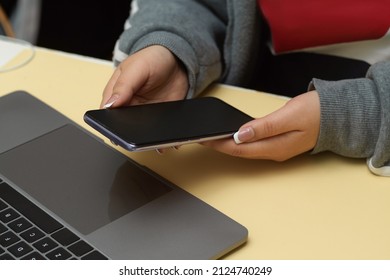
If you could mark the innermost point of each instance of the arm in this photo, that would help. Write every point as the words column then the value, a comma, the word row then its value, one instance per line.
column 348, row 117
column 355, row 119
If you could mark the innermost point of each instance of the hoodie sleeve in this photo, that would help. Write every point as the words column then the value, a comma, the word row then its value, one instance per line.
column 193, row 30
column 355, row 117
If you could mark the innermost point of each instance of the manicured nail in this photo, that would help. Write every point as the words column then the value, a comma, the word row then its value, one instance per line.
column 243, row 135
column 111, row 101
column 108, row 105
column 235, row 137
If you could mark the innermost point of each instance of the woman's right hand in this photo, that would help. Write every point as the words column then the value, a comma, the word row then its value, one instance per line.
column 151, row 75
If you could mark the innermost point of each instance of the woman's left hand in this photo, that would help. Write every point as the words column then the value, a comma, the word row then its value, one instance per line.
column 285, row 133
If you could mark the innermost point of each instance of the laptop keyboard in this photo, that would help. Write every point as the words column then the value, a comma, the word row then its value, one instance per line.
column 29, row 233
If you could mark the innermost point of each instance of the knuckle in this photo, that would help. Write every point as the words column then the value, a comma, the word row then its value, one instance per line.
column 237, row 152
column 268, row 128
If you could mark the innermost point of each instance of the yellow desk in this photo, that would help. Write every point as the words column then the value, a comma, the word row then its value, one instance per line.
column 310, row 207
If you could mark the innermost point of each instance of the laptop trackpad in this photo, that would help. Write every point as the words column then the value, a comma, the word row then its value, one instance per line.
column 24, row 118
column 81, row 180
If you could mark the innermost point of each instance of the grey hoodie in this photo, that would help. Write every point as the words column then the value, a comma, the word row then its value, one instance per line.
column 217, row 40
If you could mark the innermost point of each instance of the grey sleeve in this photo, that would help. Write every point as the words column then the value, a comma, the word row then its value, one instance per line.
column 193, row 30
column 355, row 117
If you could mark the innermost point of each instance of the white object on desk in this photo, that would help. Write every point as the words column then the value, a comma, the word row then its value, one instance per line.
column 11, row 48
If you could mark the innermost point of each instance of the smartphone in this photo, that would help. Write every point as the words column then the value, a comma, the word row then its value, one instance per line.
column 167, row 124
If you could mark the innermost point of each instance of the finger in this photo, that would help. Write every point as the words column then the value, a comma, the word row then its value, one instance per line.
column 278, row 148
column 278, row 122
column 129, row 77
column 293, row 116
column 164, row 150
column 260, row 128
column 107, row 92
column 130, row 80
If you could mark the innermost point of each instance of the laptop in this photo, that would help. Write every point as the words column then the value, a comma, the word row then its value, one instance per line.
column 64, row 194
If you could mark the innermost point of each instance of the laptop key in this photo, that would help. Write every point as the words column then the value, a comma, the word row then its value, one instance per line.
column 2, row 204
column 65, row 237
column 32, row 235
column 3, row 228
column 34, row 256
column 8, row 215
column 20, row 249
column 6, row 257
column 94, row 255
column 59, row 254
column 45, row 245
column 32, row 212
column 80, row 248
column 20, row 225
column 8, row 238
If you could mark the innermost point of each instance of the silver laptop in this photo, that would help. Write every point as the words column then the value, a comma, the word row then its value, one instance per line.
column 64, row 194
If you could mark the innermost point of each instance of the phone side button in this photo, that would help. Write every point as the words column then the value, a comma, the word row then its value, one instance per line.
column 113, row 143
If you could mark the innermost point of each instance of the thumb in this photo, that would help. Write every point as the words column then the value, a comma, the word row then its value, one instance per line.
column 245, row 134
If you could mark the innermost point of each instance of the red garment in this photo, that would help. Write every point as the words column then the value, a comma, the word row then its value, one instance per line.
column 300, row 24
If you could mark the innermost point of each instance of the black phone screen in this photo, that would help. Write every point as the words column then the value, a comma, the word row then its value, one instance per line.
column 168, row 123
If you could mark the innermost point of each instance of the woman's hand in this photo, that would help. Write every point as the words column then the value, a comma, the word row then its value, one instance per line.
column 153, row 74
column 285, row 133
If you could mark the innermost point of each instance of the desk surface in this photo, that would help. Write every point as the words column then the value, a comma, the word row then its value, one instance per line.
column 310, row 207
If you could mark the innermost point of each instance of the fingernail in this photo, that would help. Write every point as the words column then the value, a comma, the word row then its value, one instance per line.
column 111, row 101
column 243, row 135
column 235, row 137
